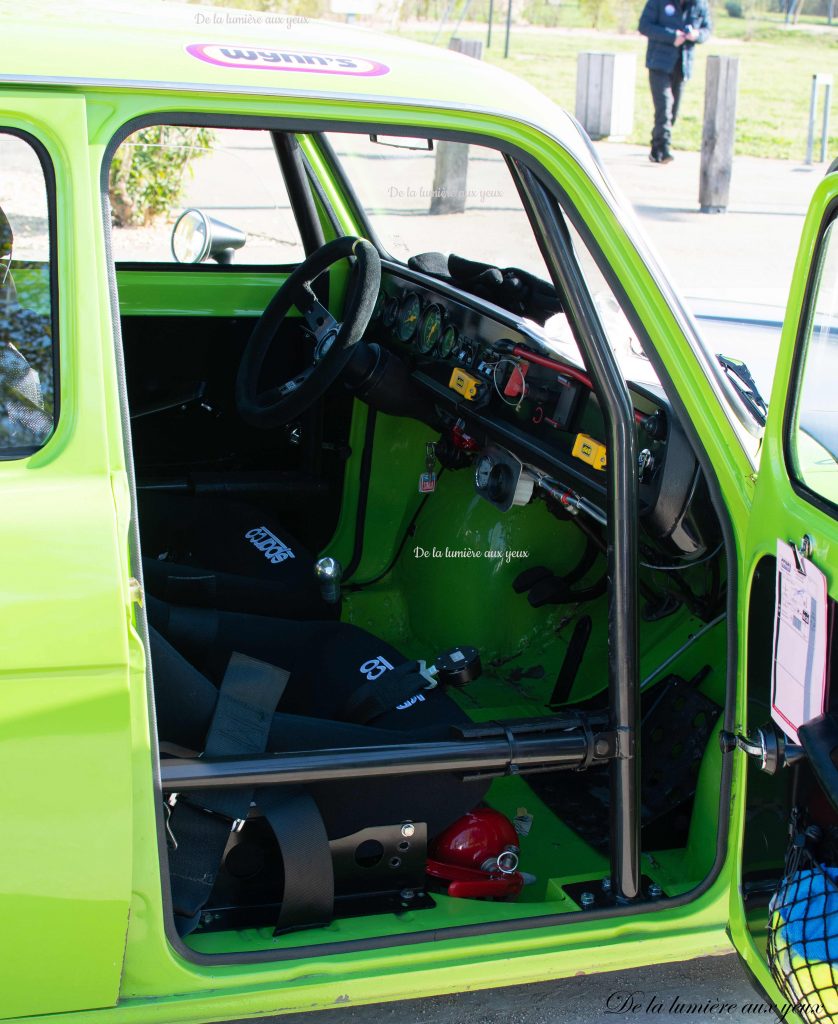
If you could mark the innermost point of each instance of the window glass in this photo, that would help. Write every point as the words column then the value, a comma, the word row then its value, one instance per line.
column 462, row 199
column 625, row 345
column 455, row 198
column 231, row 175
column 815, row 428
column 27, row 391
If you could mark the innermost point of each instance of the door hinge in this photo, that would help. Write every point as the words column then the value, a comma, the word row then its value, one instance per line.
column 135, row 591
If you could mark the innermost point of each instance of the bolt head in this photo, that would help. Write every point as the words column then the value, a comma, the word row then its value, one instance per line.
column 587, row 899
column 606, row 885
column 655, row 890
column 407, row 894
column 408, row 829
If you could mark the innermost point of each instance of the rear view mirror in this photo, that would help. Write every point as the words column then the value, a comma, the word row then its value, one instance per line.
column 403, row 142
column 197, row 236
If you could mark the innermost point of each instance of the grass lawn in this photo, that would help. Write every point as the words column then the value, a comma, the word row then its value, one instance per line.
column 775, row 76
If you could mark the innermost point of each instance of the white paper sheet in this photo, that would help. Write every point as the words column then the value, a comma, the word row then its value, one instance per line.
column 798, row 674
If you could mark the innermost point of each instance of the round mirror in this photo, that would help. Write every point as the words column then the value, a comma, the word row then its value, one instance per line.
column 191, row 237
column 196, row 236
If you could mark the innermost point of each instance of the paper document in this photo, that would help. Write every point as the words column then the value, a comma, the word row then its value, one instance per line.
column 798, row 674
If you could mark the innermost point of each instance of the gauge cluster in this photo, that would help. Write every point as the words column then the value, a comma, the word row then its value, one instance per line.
column 485, row 372
column 415, row 320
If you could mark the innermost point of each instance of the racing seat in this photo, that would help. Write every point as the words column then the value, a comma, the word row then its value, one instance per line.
column 198, row 679
column 228, row 555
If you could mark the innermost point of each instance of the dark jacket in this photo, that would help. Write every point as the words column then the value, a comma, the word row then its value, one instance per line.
column 660, row 20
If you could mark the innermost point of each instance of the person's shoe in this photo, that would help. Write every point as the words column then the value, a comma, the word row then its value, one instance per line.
column 655, row 157
column 665, row 157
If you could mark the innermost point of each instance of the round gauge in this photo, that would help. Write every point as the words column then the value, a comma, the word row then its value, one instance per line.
column 493, row 479
column 378, row 308
column 483, row 472
column 391, row 309
column 429, row 329
column 448, row 341
column 408, row 319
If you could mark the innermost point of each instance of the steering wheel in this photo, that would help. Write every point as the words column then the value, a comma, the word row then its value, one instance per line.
column 333, row 340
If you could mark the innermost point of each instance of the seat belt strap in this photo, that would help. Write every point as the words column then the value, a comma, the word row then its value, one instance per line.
column 201, row 825
column 193, row 631
column 308, row 894
column 376, row 698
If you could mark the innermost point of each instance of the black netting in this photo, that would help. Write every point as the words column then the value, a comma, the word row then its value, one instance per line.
column 803, row 928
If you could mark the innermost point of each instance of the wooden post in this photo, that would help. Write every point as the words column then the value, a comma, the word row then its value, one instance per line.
column 718, row 134
column 451, row 168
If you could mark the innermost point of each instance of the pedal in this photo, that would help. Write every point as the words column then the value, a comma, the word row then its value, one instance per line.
column 529, row 577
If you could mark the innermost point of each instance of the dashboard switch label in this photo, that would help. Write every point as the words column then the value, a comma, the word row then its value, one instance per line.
column 590, row 451
column 465, row 384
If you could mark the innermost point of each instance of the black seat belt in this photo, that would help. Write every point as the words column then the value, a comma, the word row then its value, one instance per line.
column 308, row 893
column 376, row 698
column 201, row 824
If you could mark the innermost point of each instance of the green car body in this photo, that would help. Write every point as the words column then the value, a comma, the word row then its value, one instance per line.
column 83, row 912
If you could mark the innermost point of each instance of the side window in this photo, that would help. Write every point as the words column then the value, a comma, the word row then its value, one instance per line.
column 814, row 434
column 27, row 370
column 231, row 175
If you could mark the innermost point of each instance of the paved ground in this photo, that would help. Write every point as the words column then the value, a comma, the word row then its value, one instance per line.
column 714, row 989
column 744, row 255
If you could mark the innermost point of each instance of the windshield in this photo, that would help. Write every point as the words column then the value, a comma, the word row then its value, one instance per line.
column 461, row 199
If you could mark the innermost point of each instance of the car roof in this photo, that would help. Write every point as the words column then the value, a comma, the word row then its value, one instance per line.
column 174, row 46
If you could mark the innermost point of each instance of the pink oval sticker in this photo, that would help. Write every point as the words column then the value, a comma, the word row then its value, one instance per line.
column 266, row 59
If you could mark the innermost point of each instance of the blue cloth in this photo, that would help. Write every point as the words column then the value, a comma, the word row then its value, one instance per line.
column 660, row 20
column 808, row 905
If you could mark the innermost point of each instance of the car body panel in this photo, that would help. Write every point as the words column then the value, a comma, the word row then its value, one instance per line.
column 99, row 933
column 67, row 730
column 781, row 512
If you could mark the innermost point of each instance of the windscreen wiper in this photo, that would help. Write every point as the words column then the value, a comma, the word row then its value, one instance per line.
column 740, row 376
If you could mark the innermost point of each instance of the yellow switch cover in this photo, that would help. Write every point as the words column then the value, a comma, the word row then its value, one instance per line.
column 464, row 384
column 589, row 450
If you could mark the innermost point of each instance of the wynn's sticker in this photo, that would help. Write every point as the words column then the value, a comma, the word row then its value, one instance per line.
column 266, row 59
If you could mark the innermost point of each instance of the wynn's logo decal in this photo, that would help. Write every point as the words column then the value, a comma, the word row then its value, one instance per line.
column 267, row 59
column 269, row 544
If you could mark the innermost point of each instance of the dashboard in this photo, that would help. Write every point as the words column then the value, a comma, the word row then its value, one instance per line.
column 529, row 422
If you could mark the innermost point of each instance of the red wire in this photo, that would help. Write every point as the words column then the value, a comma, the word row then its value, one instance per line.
column 567, row 371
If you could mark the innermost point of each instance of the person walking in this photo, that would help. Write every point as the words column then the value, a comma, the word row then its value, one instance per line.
column 673, row 27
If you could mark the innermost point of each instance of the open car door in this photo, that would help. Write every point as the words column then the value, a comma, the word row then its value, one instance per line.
column 784, row 916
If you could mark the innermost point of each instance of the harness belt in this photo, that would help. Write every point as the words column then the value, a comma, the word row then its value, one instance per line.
column 376, row 698
column 201, row 825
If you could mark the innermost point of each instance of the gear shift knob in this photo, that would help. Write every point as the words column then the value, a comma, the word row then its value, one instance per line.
column 329, row 572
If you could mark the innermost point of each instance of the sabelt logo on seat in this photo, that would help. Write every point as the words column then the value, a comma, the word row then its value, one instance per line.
column 266, row 59
column 269, row 544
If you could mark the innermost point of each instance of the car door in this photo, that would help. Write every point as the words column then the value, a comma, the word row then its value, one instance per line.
column 795, row 500
column 66, row 745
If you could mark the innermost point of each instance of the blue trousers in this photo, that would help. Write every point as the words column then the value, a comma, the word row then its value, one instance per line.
column 666, row 97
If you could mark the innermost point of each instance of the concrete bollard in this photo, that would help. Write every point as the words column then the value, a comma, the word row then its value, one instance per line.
column 451, row 167
column 605, row 94
column 718, row 133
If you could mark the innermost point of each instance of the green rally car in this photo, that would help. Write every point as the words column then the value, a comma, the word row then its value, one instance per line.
column 389, row 571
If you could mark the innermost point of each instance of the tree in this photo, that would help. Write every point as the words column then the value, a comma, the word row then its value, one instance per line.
column 147, row 173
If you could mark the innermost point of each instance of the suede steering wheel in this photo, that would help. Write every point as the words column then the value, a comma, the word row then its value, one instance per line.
column 333, row 340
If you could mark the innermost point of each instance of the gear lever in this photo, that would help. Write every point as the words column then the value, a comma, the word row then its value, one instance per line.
column 329, row 572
